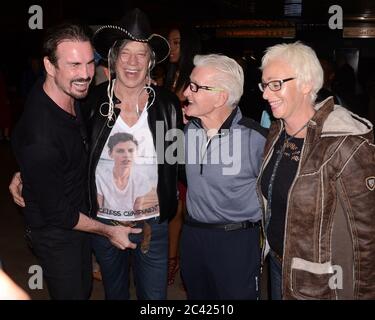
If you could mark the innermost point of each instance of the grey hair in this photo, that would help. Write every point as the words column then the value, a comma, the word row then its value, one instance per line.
column 302, row 59
column 116, row 49
column 229, row 75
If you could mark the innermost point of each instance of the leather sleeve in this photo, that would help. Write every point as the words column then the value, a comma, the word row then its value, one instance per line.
column 358, row 179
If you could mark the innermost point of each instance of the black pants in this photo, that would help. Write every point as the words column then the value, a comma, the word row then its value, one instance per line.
column 220, row 265
column 65, row 258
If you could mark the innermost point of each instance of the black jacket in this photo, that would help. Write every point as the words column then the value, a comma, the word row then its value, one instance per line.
column 164, row 109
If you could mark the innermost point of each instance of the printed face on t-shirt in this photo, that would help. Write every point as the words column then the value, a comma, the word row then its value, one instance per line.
column 126, row 174
column 123, row 154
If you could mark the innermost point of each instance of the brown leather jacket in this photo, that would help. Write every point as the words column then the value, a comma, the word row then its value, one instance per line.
column 329, row 243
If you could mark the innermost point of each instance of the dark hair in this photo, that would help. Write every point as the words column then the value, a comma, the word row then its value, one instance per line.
column 190, row 45
column 62, row 32
column 120, row 137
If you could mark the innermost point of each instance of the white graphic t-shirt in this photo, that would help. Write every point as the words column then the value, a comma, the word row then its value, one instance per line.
column 126, row 175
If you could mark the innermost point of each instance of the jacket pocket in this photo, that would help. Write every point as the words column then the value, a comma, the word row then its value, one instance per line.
column 311, row 280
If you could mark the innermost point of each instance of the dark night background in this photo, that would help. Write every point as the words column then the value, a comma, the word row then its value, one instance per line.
column 219, row 23
column 309, row 18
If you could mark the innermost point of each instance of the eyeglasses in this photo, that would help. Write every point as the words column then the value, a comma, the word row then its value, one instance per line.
column 195, row 87
column 274, row 85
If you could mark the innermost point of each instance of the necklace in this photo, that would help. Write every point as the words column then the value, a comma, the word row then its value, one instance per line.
column 286, row 140
column 273, row 175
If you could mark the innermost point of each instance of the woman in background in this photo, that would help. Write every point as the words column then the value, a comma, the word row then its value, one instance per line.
column 184, row 44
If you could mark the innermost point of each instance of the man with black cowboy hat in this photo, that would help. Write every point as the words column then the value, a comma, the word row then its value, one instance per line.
column 127, row 103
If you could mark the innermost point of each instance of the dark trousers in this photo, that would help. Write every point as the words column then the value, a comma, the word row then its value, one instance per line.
column 150, row 268
column 65, row 258
column 220, row 265
column 275, row 275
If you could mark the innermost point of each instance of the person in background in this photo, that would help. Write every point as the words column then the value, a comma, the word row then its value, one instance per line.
column 185, row 44
column 317, row 182
column 327, row 89
column 158, row 75
column 101, row 71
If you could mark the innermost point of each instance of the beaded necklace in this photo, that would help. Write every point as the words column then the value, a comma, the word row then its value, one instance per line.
column 280, row 153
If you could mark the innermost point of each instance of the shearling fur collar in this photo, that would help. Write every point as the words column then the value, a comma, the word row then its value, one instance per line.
column 342, row 122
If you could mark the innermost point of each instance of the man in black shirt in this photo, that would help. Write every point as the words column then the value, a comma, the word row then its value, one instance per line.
column 49, row 144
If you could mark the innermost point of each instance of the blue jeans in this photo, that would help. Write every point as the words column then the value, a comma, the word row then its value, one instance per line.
column 275, row 276
column 150, row 269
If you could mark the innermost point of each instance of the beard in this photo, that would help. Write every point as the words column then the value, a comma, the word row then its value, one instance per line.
column 79, row 87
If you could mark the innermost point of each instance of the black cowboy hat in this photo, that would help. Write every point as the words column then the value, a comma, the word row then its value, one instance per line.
column 134, row 26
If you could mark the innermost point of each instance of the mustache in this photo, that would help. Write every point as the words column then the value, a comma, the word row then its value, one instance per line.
column 82, row 79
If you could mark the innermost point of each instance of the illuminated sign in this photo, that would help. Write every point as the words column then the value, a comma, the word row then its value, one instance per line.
column 359, row 32
column 256, row 33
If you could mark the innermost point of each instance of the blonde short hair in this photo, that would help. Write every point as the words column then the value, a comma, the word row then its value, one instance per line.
column 302, row 59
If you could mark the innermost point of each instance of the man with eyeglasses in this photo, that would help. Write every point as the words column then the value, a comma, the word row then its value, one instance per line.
column 220, row 249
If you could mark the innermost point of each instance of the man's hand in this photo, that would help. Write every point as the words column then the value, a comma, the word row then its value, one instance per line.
column 15, row 188
column 119, row 236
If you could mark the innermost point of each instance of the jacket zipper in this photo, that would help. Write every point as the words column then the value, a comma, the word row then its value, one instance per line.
column 287, row 210
column 260, row 196
column 204, row 153
column 205, row 150
column 90, row 163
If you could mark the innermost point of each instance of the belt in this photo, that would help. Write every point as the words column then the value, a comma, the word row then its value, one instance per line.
column 133, row 223
column 224, row 226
